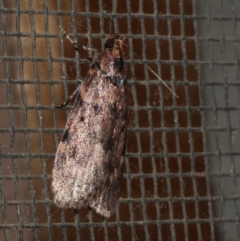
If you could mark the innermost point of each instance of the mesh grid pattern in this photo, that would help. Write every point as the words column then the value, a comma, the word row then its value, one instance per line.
column 182, row 174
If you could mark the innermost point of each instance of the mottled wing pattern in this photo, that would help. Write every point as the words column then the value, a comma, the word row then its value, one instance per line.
column 89, row 161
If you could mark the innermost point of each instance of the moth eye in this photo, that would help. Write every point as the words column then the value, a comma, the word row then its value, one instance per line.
column 109, row 43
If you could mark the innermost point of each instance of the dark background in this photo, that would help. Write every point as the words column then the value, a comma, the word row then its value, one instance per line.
column 182, row 172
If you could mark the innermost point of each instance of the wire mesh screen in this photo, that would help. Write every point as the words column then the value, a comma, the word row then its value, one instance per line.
column 181, row 178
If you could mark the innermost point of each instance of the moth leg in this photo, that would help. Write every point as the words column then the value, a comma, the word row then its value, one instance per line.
column 65, row 103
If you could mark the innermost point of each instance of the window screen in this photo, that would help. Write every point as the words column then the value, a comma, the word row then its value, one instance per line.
column 182, row 169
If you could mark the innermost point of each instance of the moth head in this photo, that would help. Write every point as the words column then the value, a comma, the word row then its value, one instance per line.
column 114, row 41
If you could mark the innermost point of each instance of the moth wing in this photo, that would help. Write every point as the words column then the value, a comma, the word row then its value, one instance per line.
column 104, row 202
column 89, row 160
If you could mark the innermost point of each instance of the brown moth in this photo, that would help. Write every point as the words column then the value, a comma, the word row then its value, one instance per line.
column 89, row 161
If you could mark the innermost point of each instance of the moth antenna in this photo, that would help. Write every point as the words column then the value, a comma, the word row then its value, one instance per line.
column 77, row 45
column 151, row 70
column 163, row 82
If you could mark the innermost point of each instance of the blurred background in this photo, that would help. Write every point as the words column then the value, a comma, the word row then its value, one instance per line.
column 182, row 172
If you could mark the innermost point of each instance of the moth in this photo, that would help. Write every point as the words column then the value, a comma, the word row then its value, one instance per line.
column 89, row 161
